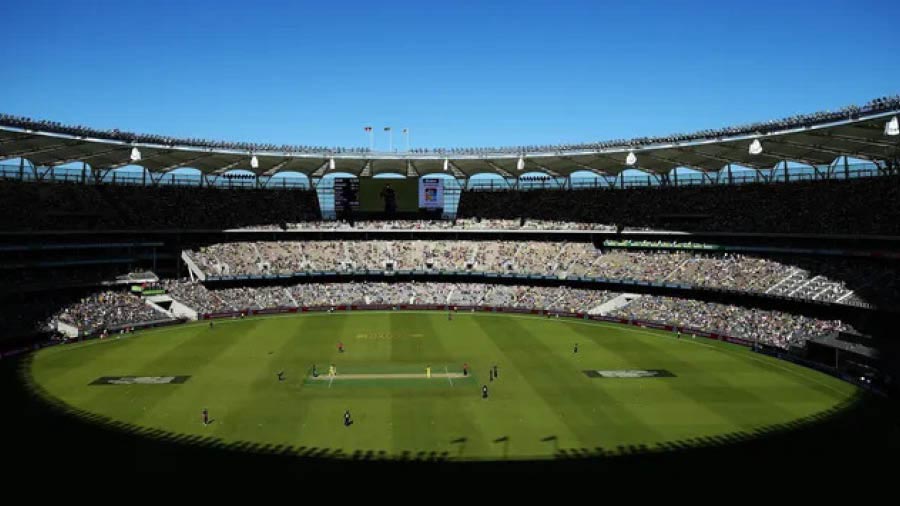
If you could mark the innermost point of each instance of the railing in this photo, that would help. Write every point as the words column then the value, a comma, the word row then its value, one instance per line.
column 794, row 174
column 78, row 176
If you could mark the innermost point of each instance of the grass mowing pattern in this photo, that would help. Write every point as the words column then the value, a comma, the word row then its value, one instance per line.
column 542, row 401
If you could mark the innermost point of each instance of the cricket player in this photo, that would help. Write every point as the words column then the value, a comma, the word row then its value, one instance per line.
column 484, row 392
column 332, row 371
column 428, row 372
column 347, row 419
column 205, row 414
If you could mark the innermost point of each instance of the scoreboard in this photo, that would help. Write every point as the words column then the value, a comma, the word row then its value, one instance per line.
column 431, row 193
column 346, row 193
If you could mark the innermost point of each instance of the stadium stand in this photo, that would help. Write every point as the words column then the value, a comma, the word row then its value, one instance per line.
column 815, row 207
column 769, row 327
column 810, row 278
column 71, row 206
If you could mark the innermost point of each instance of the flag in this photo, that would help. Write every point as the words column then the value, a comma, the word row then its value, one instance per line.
column 387, row 129
column 405, row 130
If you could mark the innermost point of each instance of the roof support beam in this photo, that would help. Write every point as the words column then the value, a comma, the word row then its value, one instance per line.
column 275, row 168
column 500, row 170
column 411, row 170
column 366, row 170
column 674, row 163
column 132, row 162
column 28, row 152
column 585, row 167
column 858, row 140
column 812, row 147
column 704, row 155
column 458, row 174
column 21, row 137
column 545, row 169
column 64, row 161
column 783, row 157
column 321, row 170
column 184, row 163
column 222, row 170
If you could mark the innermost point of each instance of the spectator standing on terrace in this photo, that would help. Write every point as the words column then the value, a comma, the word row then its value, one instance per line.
column 390, row 199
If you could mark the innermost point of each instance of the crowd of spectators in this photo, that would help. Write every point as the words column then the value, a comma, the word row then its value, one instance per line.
column 861, row 206
column 820, row 207
column 71, row 206
column 820, row 279
column 104, row 310
column 458, row 224
column 845, row 113
column 770, row 327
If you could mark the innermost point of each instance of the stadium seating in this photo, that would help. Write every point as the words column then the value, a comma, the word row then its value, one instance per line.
column 70, row 206
column 819, row 279
column 770, row 327
column 815, row 207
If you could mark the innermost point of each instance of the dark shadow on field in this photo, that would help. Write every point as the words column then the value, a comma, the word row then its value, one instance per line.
column 554, row 440
column 505, row 441
column 858, row 434
column 461, row 441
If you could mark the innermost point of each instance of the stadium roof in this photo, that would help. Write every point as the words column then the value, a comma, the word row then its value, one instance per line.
column 816, row 139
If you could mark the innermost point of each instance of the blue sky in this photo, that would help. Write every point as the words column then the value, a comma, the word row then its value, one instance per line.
column 455, row 73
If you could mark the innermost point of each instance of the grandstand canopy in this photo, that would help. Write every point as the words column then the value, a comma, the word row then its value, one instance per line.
column 815, row 141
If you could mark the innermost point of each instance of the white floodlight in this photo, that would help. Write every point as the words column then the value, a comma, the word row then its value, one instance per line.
column 136, row 154
column 331, row 164
column 892, row 127
column 446, row 165
column 755, row 147
column 254, row 162
column 520, row 165
column 631, row 159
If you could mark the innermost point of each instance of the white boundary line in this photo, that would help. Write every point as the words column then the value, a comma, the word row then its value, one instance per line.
column 448, row 376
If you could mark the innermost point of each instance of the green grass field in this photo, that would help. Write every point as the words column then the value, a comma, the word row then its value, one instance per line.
column 542, row 401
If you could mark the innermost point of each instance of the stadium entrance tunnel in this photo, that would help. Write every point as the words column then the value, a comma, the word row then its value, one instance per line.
column 72, row 428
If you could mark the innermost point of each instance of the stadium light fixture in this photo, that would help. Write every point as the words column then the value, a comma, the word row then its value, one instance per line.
column 136, row 154
column 892, row 127
column 520, row 165
column 446, row 165
column 755, row 147
column 631, row 159
column 254, row 162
